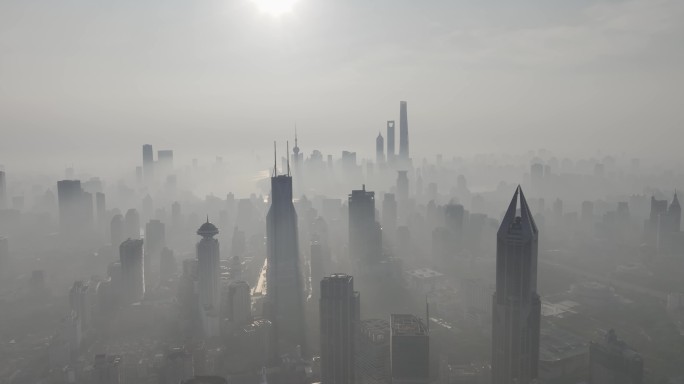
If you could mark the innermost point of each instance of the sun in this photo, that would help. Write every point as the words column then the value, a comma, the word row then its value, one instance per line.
column 275, row 7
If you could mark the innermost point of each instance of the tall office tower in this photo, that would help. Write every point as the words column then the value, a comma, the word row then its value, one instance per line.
column 100, row 209
column 373, row 351
column 165, row 162
column 132, row 224
column 379, row 149
column 239, row 303
column 132, row 273
column 365, row 235
column 209, row 267
column 79, row 302
column 655, row 220
column 403, row 134
column 117, row 234
column 409, row 350
column 155, row 242
column 107, row 369
column 285, row 293
column 611, row 361
column 402, row 186
column 390, row 142
column 516, row 304
column 674, row 214
column 3, row 190
column 148, row 162
column 339, row 314
column 73, row 208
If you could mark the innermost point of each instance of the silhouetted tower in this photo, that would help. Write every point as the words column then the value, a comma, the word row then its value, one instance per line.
column 379, row 149
column 674, row 214
column 402, row 186
column 390, row 141
column 132, row 224
column 516, row 304
column 73, row 207
column 285, row 292
column 132, row 270
column 209, row 267
column 365, row 235
column 155, row 242
column 409, row 350
column 339, row 314
column 403, row 133
column 116, row 230
column 148, row 162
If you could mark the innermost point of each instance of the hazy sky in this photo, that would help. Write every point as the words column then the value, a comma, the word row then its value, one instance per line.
column 209, row 77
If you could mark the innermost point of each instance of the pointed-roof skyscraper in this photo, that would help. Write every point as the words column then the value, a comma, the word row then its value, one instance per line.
column 285, row 292
column 675, row 214
column 516, row 303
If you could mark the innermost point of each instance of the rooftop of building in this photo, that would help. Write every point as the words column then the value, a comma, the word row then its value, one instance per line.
column 424, row 273
column 407, row 325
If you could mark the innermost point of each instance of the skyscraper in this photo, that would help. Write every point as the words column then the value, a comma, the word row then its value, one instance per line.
column 165, row 162
column 285, row 291
column 379, row 149
column 409, row 350
column 403, row 134
column 116, row 230
column 239, row 303
column 365, row 235
column 339, row 314
column 208, row 266
column 402, row 186
column 132, row 273
column 516, row 304
column 148, row 162
column 390, row 141
column 73, row 207
column 132, row 224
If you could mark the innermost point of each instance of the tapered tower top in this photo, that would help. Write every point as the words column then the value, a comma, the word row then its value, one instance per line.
column 207, row 229
column 520, row 224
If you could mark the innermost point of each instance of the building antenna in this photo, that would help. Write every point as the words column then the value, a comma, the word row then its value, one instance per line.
column 287, row 156
column 275, row 160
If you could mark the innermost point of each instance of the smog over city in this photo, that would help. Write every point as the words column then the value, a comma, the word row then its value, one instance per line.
column 341, row 192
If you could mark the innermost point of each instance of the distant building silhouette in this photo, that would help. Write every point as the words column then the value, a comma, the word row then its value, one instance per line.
column 132, row 272
column 365, row 235
column 148, row 162
column 132, row 224
column 402, row 186
column 339, row 313
column 390, row 142
column 75, row 207
column 409, row 350
column 379, row 149
column 155, row 241
column 516, row 304
column 117, row 233
column 403, row 134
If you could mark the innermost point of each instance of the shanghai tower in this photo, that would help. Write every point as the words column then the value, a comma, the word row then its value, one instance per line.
column 285, row 289
column 403, row 133
column 516, row 304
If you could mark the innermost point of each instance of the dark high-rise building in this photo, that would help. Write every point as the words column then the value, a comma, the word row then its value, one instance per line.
column 373, row 351
column 674, row 215
column 132, row 270
column 155, row 242
column 3, row 190
column 339, row 314
column 148, row 161
column 132, row 224
column 390, row 142
column 379, row 149
column 117, row 232
column 239, row 303
column 73, row 207
column 611, row 361
column 409, row 350
column 365, row 235
column 285, row 293
column 516, row 304
column 403, row 133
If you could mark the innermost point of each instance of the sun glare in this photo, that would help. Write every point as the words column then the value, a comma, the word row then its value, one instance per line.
column 275, row 7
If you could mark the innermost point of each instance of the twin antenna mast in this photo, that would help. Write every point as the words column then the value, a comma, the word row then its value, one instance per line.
column 275, row 159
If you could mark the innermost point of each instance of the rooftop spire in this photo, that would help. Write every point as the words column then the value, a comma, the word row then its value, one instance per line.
column 525, row 220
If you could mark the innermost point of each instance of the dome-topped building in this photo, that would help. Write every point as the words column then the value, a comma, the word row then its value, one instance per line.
column 208, row 229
